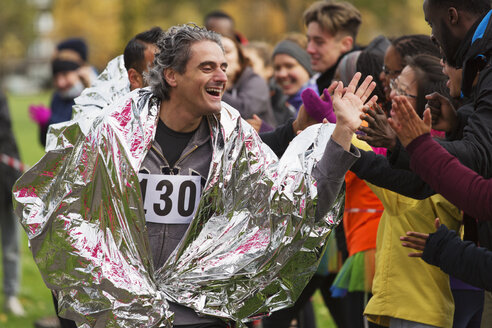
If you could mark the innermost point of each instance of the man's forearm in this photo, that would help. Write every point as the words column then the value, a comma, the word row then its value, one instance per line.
column 330, row 173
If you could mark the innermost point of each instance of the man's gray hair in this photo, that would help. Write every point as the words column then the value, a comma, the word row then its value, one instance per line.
column 174, row 51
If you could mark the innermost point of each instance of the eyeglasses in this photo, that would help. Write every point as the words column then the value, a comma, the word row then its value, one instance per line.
column 391, row 72
column 399, row 91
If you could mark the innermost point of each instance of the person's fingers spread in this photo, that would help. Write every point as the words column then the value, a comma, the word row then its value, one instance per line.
column 415, row 246
column 367, row 93
column 353, row 84
column 365, row 129
column 378, row 110
column 361, row 90
column 339, row 90
column 417, row 234
column 332, row 87
column 370, row 120
column 372, row 113
column 372, row 101
column 414, row 240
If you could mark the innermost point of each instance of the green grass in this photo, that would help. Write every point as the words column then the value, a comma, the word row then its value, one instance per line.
column 25, row 130
column 323, row 317
column 34, row 295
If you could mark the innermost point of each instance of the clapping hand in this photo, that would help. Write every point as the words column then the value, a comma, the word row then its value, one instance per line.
column 348, row 104
column 405, row 121
column 378, row 133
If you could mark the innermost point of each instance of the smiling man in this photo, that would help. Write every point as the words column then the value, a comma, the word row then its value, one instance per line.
column 126, row 193
column 189, row 78
column 331, row 30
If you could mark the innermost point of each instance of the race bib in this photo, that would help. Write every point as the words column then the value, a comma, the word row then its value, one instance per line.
column 170, row 199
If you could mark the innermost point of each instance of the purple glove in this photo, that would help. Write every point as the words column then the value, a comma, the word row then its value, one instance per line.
column 39, row 114
column 318, row 108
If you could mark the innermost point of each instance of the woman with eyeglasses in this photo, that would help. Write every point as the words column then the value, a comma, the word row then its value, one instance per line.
column 421, row 76
column 378, row 133
column 394, row 58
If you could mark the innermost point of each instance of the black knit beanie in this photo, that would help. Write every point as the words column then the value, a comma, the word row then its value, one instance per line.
column 70, row 55
column 294, row 50
column 76, row 44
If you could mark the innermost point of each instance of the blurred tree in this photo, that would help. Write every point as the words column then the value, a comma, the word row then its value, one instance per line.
column 97, row 21
column 109, row 24
column 16, row 31
column 133, row 16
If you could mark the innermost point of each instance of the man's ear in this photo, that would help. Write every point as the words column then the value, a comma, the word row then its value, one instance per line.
column 170, row 77
column 347, row 43
column 135, row 78
column 453, row 16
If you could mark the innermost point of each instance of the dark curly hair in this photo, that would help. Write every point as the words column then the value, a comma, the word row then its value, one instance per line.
column 415, row 44
column 175, row 52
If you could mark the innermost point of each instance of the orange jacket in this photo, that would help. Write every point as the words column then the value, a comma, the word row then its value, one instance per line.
column 361, row 215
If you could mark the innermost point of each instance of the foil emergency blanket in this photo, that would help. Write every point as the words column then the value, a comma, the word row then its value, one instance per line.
column 110, row 85
column 252, row 246
column 263, row 241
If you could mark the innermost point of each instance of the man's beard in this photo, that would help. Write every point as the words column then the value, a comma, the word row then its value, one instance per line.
column 73, row 92
column 449, row 45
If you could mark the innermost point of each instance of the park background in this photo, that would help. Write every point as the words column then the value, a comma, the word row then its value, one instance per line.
column 30, row 29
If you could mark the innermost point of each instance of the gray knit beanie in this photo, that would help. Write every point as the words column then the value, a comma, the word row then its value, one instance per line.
column 294, row 50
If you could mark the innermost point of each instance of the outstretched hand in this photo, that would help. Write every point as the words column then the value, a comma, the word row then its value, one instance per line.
column 417, row 240
column 378, row 133
column 405, row 121
column 348, row 104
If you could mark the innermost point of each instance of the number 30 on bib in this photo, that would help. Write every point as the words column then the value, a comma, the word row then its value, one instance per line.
column 170, row 199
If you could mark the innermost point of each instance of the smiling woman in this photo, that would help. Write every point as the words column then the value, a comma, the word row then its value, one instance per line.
column 292, row 71
column 246, row 91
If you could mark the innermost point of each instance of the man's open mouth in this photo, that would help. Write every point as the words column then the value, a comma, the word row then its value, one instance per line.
column 214, row 91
